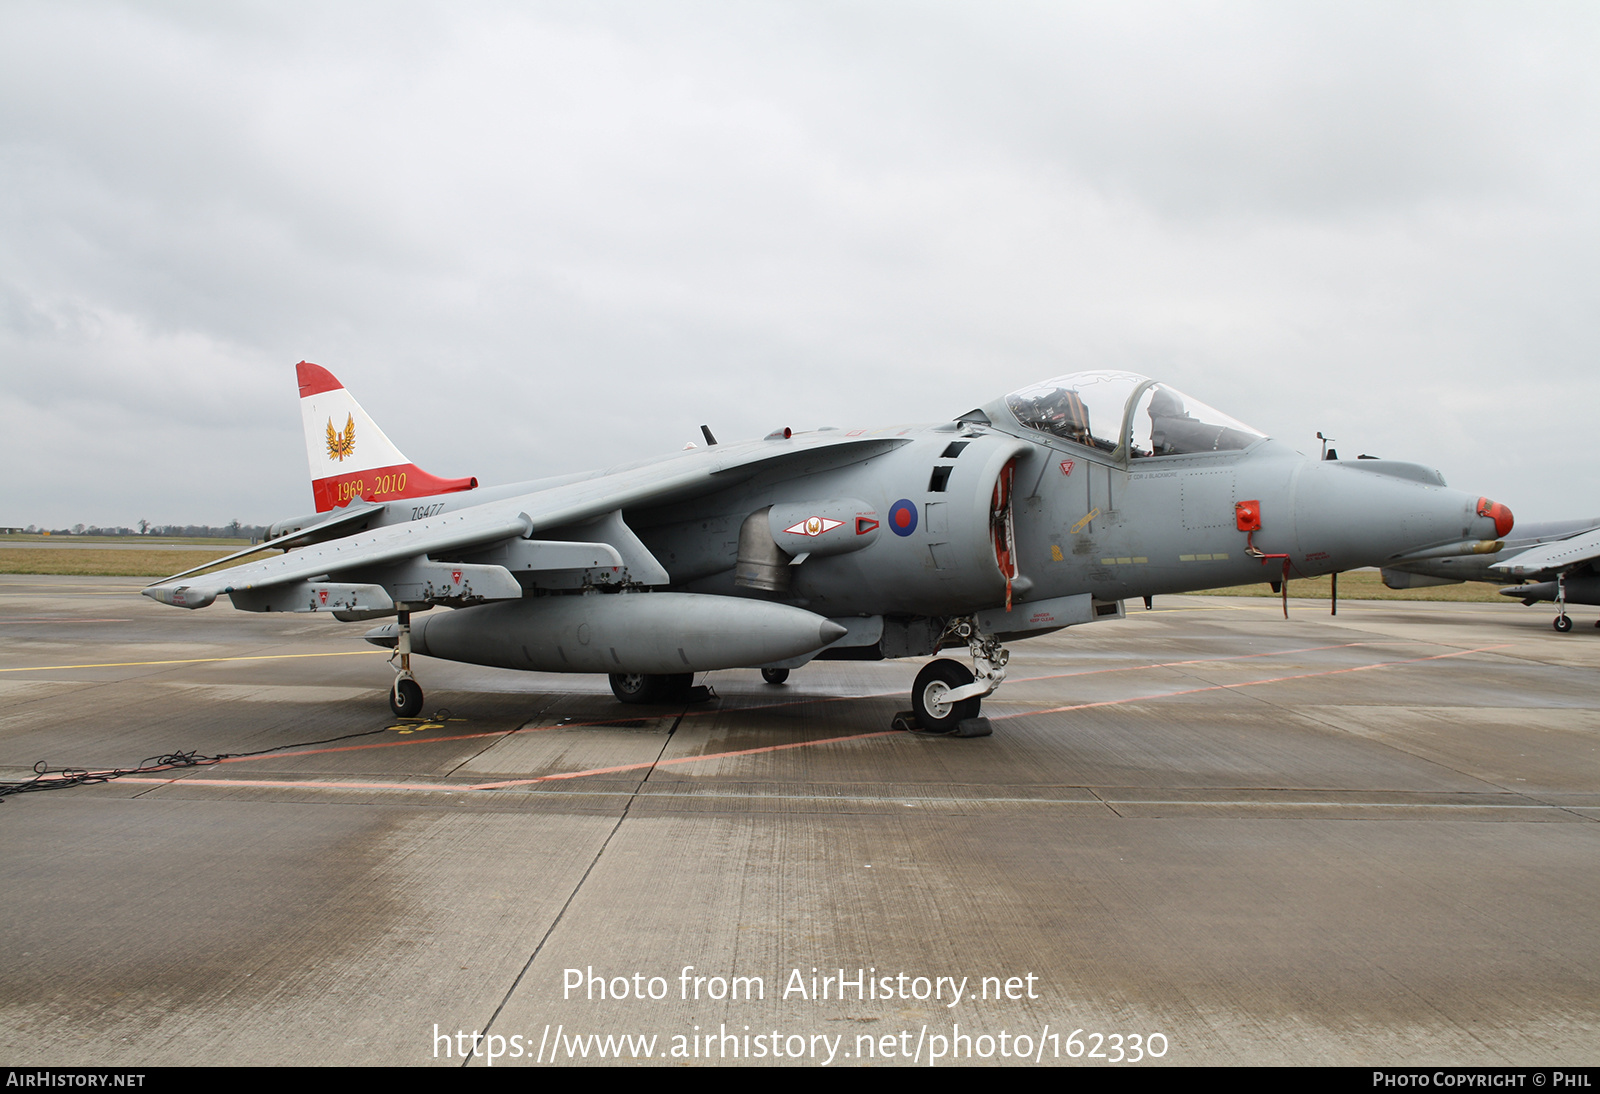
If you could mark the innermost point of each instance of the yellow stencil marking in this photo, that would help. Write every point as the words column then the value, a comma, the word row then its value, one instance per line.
column 1083, row 521
column 416, row 727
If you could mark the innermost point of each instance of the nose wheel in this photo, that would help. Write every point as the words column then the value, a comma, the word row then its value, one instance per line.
column 946, row 697
column 931, row 702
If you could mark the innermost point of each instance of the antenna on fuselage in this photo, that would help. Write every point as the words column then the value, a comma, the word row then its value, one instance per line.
column 710, row 440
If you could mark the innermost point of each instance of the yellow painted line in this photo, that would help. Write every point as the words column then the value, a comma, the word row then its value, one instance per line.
column 197, row 660
column 1196, row 608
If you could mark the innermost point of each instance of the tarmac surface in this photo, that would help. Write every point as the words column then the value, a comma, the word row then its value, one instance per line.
column 1204, row 833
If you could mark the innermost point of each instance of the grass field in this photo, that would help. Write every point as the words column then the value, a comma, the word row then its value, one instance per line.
column 109, row 562
column 132, row 542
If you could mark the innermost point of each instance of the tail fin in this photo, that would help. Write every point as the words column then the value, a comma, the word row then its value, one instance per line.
column 349, row 455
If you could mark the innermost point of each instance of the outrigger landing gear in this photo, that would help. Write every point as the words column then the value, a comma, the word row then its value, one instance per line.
column 1563, row 622
column 947, row 695
column 405, row 697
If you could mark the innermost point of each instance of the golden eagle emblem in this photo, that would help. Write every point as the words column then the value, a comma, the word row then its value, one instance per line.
column 343, row 444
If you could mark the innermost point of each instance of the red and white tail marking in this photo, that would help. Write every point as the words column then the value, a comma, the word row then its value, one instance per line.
column 349, row 455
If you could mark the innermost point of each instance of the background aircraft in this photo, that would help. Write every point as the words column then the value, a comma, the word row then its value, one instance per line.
column 1560, row 554
column 1041, row 510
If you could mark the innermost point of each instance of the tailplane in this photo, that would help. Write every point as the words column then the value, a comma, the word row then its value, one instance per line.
column 349, row 455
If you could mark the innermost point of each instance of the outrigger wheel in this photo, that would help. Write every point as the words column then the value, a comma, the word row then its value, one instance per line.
column 774, row 676
column 938, row 678
column 1563, row 623
column 405, row 698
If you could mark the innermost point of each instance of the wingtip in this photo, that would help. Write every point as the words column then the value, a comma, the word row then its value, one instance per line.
column 180, row 596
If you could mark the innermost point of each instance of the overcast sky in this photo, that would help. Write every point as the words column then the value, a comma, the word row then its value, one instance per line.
column 534, row 238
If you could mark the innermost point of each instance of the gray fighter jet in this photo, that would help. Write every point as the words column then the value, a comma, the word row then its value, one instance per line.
column 1560, row 556
column 1044, row 509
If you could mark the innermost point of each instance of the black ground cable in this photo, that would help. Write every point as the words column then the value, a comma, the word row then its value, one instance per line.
column 80, row 776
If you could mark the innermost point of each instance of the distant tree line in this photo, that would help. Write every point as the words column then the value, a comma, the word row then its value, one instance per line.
column 231, row 530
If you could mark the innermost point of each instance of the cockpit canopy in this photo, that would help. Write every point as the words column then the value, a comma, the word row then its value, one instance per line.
column 1107, row 410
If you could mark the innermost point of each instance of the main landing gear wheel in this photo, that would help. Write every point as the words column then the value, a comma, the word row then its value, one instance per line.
column 934, row 713
column 774, row 676
column 1563, row 623
column 405, row 698
column 640, row 688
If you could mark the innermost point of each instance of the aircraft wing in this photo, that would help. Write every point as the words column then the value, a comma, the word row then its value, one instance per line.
column 371, row 557
column 1564, row 554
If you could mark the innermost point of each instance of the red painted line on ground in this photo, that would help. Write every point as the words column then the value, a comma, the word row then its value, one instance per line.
column 1245, row 684
column 420, row 740
column 376, row 744
column 436, row 787
column 684, row 760
column 287, row 783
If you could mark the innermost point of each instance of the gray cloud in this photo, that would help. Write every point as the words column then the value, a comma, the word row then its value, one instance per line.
column 541, row 238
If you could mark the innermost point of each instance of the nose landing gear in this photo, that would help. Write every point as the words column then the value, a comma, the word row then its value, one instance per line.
column 931, row 703
column 947, row 696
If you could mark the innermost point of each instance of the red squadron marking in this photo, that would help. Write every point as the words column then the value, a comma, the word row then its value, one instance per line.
column 814, row 526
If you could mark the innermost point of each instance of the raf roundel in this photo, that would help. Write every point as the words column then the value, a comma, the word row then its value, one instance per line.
column 902, row 518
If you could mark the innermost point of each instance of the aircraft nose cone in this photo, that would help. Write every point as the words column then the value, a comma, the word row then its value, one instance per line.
column 1349, row 515
column 1503, row 520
